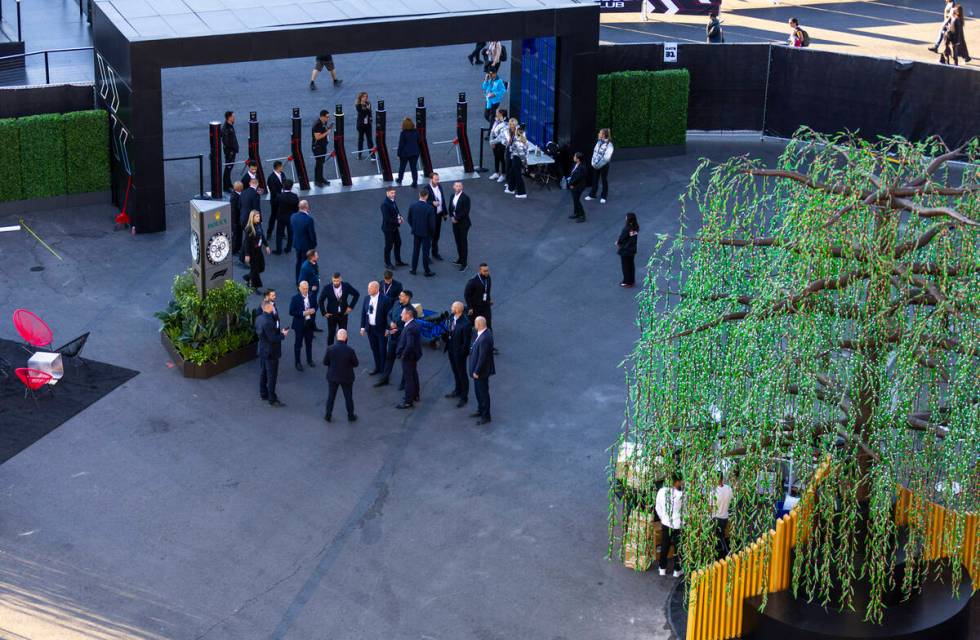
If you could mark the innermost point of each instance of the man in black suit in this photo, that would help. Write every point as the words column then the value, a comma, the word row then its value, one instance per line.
column 321, row 130
column 393, row 334
column 269, row 352
column 229, row 144
column 303, row 310
column 304, row 233
column 458, row 340
column 391, row 220
column 477, row 295
column 374, row 314
column 437, row 198
column 480, row 368
column 249, row 200
column 422, row 219
column 274, row 184
column 251, row 173
column 410, row 351
column 336, row 302
column 236, row 220
column 577, row 182
column 390, row 287
column 288, row 204
column 459, row 213
column 341, row 362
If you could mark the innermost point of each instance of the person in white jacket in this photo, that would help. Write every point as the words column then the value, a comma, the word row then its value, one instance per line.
column 669, row 513
column 498, row 144
column 601, row 155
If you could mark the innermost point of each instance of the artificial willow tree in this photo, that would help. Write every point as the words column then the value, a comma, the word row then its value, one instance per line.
column 825, row 309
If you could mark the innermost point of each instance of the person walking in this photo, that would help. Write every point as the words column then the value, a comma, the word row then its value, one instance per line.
column 720, row 504
column 336, row 303
column 458, row 339
column 269, row 352
column 480, row 368
column 498, row 144
column 393, row 334
column 493, row 54
column 576, row 184
column 391, row 221
column 459, row 214
column 516, row 164
column 324, row 61
column 601, row 155
column 493, row 90
column 408, row 152
column 236, row 219
column 626, row 248
column 321, row 131
column 229, row 145
column 302, row 308
column 798, row 37
column 947, row 16
column 410, row 351
column 364, row 129
column 954, row 40
column 341, row 362
column 478, row 295
column 304, row 233
column 437, row 198
column 374, row 323
column 256, row 248
column 310, row 271
column 713, row 29
column 669, row 505
column 422, row 220
column 288, row 205
column 474, row 56
column 249, row 200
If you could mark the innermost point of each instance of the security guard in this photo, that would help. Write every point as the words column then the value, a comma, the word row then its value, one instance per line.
column 229, row 142
column 320, row 132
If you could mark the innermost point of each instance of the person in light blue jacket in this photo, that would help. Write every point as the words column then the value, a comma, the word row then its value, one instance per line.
column 494, row 90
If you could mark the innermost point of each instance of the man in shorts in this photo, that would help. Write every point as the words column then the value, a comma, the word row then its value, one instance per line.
column 321, row 62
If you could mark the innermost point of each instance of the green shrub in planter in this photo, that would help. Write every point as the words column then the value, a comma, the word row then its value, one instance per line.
column 42, row 155
column 204, row 330
column 87, row 151
column 630, row 108
column 668, row 107
column 603, row 103
column 10, row 173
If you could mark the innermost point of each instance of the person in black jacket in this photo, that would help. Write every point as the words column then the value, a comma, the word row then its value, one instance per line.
column 626, row 248
column 374, row 323
column 390, row 287
column 269, row 352
column 341, row 363
column 321, row 131
column 408, row 151
column 288, row 205
column 250, row 200
column 364, row 129
column 255, row 250
column 422, row 219
column 410, row 351
column 459, row 213
column 478, row 295
column 391, row 220
column 337, row 300
column 393, row 334
column 713, row 28
column 274, row 183
column 437, row 198
column 229, row 144
column 458, row 339
column 302, row 308
column 480, row 367
column 236, row 221
column 577, row 184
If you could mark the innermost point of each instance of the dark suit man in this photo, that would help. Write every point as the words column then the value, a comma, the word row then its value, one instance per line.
column 304, row 233
column 374, row 323
column 458, row 339
column 321, row 130
column 422, row 219
column 391, row 220
column 310, row 271
column 303, row 310
column 249, row 200
column 229, row 144
column 269, row 352
column 288, row 204
column 577, row 182
column 237, row 229
column 477, row 295
column 480, row 367
column 341, row 363
column 390, row 287
column 395, row 326
column 459, row 214
column 410, row 351
column 437, row 198
column 251, row 173
column 337, row 300
column 274, row 184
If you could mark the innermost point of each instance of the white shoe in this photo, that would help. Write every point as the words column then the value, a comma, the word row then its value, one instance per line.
column 588, row 197
column 602, row 201
column 494, row 176
column 501, row 178
column 521, row 195
column 507, row 190
column 663, row 572
column 678, row 574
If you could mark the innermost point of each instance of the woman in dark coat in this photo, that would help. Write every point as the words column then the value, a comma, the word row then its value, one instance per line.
column 955, row 39
column 408, row 151
column 626, row 248
column 363, row 106
column 255, row 249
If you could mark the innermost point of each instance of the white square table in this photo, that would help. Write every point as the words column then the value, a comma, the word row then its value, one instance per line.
column 49, row 363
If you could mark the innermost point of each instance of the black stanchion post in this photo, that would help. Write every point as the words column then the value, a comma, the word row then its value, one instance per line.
column 340, row 153
column 461, row 138
column 296, row 144
column 381, row 142
column 423, row 143
column 253, row 147
column 215, row 158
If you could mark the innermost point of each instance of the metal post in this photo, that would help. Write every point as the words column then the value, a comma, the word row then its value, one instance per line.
column 299, row 164
column 47, row 74
column 482, row 129
column 381, row 142
column 80, row 10
column 339, row 150
column 423, row 143
column 253, row 147
column 216, row 160
column 21, row 37
column 462, row 139
column 200, row 175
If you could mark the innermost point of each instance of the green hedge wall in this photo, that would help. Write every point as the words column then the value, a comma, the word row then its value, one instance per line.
column 42, row 155
column 630, row 108
column 604, row 106
column 87, row 151
column 53, row 154
column 644, row 108
column 10, row 160
column 668, row 105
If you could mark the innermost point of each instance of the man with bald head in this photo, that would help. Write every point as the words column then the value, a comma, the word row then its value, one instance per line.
column 304, row 233
column 480, row 368
column 341, row 364
column 302, row 308
column 374, row 314
column 458, row 339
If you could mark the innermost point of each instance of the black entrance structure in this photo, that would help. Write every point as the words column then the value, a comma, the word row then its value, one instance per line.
column 135, row 40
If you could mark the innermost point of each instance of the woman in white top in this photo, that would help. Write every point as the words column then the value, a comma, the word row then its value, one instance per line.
column 492, row 54
column 517, row 161
column 601, row 155
column 498, row 144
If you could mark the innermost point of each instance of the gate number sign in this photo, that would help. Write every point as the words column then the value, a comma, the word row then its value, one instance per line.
column 670, row 52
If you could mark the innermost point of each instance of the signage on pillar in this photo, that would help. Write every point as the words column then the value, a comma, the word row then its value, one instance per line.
column 616, row 6
column 670, row 52
column 211, row 258
column 682, row 7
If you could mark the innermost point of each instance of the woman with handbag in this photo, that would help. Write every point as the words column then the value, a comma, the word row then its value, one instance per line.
column 626, row 248
column 363, row 107
column 517, row 162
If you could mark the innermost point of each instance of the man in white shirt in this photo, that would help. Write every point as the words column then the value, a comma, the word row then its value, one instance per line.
column 720, row 504
column 669, row 513
column 437, row 198
column 373, row 323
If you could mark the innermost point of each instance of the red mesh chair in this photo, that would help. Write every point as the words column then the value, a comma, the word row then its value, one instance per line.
column 32, row 329
column 33, row 380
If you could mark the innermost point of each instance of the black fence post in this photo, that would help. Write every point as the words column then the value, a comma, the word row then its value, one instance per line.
column 216, row 161
column 339, row 149
column 296, row 144
column 423, row 142
column 253, row 147
column 20, row 37
column 200, row 175
column 462, row 139
column 47, row 72
column 381, row 141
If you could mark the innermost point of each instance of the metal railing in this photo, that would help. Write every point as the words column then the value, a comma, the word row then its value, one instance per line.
column 20, row 37
column 7, row 74
column 200, row 171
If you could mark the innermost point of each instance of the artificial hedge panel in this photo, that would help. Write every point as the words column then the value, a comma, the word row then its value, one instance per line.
column 630, row 108
column 42, row 155
column 86, row 151
column 668, row 107
column 10, row 165
column 604, row 102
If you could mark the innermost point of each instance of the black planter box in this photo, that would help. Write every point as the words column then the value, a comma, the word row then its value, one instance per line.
column 208, row 369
